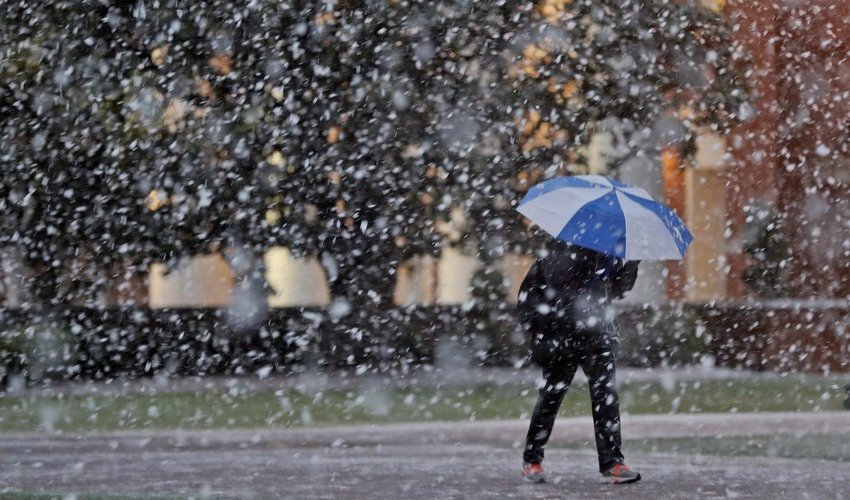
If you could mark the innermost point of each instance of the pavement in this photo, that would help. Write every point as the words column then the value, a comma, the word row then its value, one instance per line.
column 417, row 461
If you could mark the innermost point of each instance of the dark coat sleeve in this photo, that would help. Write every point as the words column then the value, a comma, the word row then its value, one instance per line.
column 531, row 293
column 537, row 315
column 537, row 302
column 624, row 278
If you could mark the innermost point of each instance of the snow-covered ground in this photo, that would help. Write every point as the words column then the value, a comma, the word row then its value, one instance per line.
column 435, row 460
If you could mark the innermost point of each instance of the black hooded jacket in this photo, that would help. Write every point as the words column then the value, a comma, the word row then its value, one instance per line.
column 567, row 295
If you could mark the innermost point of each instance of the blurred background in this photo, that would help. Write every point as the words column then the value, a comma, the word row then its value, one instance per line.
column 278, row 186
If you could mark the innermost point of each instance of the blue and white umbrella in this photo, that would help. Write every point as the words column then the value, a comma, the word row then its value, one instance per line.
column 608, row 216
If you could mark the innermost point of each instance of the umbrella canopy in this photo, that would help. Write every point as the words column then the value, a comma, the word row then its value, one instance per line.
column 608, row 216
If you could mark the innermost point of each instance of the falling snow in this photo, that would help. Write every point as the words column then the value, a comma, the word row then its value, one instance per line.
column 156, row 154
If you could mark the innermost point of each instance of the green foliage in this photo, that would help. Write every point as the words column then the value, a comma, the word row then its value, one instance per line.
column 488, row 285
column 13, row 354
column 36, row 351
column 490, row 321
column 153, row 131
column 769, row 252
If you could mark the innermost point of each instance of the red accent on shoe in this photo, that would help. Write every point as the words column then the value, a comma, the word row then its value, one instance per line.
column 618, row 470
column 532, row 469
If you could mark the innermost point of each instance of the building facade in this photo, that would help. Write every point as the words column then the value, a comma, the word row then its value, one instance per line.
column 794, row 154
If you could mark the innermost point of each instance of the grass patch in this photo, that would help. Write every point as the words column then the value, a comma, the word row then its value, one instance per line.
column 291, row 408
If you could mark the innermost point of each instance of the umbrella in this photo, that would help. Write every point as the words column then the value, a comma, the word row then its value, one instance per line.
column 605, row 215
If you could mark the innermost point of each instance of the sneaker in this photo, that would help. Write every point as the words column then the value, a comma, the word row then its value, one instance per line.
column 620, row 474
column 533, row 473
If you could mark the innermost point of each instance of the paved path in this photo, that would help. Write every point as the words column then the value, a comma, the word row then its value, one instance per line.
column 415, row 461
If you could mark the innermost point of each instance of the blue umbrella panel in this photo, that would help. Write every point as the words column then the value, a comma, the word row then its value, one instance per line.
column 608, row 216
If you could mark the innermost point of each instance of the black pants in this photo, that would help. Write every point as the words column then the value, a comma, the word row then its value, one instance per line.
column 598, row 365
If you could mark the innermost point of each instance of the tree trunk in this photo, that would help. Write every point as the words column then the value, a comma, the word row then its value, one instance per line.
column 15, row 276
column 46, row 287
column 249, row 299
column 363, row 279
column 127, row 286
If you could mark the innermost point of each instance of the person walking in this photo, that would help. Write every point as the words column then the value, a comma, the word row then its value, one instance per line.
column 603, row 228
column 565, row 305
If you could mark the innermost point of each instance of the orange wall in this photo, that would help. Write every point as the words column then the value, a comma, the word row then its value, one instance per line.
column 800, row 69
